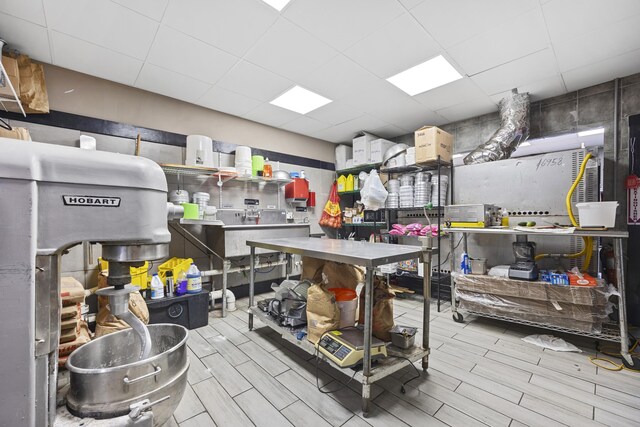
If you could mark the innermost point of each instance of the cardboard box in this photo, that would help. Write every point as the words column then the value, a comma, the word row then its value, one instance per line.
column 11, row 67
column 362, row 147
column 431, row 142
column 378, row 148
column 343, row 153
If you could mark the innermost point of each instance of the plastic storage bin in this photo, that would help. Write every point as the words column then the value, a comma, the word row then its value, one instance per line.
column 190, row 310
column 597, row 214
column 175, row 265
column 139, row 275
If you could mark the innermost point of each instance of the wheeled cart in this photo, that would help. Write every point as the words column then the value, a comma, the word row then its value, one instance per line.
column 368, row 255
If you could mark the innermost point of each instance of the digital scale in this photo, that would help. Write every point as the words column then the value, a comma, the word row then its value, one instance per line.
column 346, row 348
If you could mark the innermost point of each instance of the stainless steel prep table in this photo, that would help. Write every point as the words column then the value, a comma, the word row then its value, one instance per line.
column 621, row 335
column 368, row 255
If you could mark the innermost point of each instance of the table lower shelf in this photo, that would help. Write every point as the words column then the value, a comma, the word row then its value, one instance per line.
column 609, row 332
column 396, row 360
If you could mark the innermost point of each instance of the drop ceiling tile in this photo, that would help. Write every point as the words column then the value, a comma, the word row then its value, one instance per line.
column 289, row 51
column 338, row 79
column 609, row 69
column 228, row 102
column 503, row 43
column 26, row 37
column 402, row 43
column 541, row 89
column 305, row 125
column 171, row 84
column 593, row 46
column 388, row 131
column 345, row 131
column 154, row 9
column 29, row 10
column 342, row 23
column 271, row 115
column 451, row 22
column 233, row 26
column 255, row 82
column 118, row 28
column 566, row 18
column 450, row 94
column 335, row 112
column 79, row 55
column 520, row 72
column 471, row 108
column 183, row 54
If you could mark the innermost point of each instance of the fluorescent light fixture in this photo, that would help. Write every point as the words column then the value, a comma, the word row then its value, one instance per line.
column 300, row 100
column 591, row 132
column 426, row 76
column 456, row 156
column 524, row 144
column 277, row 4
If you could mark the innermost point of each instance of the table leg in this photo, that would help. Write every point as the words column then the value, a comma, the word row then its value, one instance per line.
column 252, row 273
column 225, row 273
column 426, row 310
column 452, row 266
column 368, row 322
column 622, row 305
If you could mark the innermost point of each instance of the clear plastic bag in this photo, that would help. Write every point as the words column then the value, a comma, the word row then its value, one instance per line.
column 374, row 195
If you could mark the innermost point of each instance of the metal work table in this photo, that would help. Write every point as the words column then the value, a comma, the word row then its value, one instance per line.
column 368, row 255
column 620, row 335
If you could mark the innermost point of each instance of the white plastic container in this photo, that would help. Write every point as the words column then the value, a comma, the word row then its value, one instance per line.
column 348, row 312
column 194, row 280
column 157, row 288
column 597, row 214
column 199, row 151
column 343, row 153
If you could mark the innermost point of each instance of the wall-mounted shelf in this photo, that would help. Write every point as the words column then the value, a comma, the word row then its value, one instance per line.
column 198, row 171
column 358, row 169
column 343, row 193
column 259, row 179
column 415, row 168
column 6, row 82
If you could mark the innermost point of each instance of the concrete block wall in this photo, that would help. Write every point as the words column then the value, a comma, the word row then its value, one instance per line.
column 81, row 262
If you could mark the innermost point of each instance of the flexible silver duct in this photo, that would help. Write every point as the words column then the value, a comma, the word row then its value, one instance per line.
column 514, row 129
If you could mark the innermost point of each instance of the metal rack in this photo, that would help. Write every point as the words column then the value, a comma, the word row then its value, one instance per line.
column 608, row 334
column 5, row 81
column 368, row 255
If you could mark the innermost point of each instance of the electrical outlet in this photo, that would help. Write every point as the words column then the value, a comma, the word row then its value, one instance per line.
column 289, row 215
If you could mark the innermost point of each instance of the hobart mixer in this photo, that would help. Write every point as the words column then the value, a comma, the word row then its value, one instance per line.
column 52, row 198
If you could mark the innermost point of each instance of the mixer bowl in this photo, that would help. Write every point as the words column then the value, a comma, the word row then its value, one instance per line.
column 106, row 376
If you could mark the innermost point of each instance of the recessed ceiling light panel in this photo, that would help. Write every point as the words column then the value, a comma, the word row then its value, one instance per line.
column 300, row 100
column 426, row 76
column 277, row 4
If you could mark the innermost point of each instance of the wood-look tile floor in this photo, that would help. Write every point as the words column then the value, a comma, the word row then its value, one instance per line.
column 480, row 373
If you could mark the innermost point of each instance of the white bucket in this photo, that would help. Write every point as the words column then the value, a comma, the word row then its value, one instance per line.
column 199, row 151
column 597, row 214
column 348, row 312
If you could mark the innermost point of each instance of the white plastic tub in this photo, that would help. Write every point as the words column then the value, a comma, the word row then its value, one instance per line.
column 597, row 214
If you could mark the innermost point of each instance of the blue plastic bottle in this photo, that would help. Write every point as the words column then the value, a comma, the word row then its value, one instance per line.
column 194, row 280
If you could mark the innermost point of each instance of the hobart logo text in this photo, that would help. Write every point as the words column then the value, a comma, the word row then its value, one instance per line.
column 99, row 201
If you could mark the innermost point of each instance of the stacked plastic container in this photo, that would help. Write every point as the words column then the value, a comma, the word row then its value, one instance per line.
column 243, row 161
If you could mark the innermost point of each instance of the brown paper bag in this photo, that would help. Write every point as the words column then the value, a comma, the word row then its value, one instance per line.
column 382, row 309
column 33, row 89
column 312, row 269
column 341, row 275
column 323, row 313
column 107, row 323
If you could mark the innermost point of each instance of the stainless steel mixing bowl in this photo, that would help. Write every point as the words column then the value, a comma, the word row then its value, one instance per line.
column 106, row 376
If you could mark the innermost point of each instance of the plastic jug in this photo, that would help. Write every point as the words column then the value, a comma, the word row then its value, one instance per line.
column 157, row 288
column 349, row 183
column 194, row 280
column 267, row 170
column 181, row 286
column 342, row 184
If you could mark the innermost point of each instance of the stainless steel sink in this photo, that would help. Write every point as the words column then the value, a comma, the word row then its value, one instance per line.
column 230, row 240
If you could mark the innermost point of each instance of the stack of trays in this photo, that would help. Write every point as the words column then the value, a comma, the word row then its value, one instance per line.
column 393, row 198
column 439, row 187
column 406, row 190
column 422, row 190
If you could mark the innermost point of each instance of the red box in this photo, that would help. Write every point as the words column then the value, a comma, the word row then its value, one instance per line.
column 297, row 191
